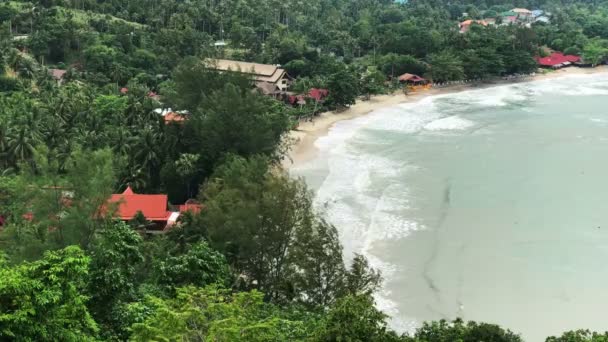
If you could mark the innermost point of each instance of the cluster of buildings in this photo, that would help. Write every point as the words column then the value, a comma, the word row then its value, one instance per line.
column 516, row 16
column 159, row 216
column 525, row 17
column 269, row 80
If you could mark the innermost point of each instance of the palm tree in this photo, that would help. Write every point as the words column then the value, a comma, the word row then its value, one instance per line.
column 146, row 149
column 121, row 140
column 27, row 68
column 3, row 133
column 134, row 177
column 54, row 133
column 63, row 153
column 21, row 145
column 187, row 167
column 12, row 58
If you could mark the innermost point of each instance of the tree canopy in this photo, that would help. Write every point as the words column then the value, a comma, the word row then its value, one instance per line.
column 85, row 91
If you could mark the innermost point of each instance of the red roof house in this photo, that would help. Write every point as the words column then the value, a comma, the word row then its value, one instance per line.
column 153, row 207
column 296, row 99
column 174, row 117
column 557, row 60
column 318, row 94
column 411, row 78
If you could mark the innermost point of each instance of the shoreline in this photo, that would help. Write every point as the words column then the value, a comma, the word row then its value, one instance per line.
column 303, row 149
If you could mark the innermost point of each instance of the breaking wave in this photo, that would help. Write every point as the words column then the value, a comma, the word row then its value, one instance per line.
column 365, row 192
column 450, row 123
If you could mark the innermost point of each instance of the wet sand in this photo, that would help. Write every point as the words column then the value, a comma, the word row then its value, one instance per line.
column 305, row 135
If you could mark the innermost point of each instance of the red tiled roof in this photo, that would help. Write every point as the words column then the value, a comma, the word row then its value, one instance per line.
column 557, row 58
column 318, row 94
column 299, row 99
column 153, row 207
column 191, row 206
column 174, row 117
column 410, row 78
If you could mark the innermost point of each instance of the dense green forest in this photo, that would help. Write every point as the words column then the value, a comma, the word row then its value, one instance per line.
column 258, row 263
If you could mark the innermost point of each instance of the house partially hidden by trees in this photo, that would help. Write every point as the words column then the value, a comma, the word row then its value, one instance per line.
column 153, row 210
column 557, row 60
column 57, row 74
column 269, row 79
column 170, row 116
column 317, row 95
column 523, row 15
column 465, row 26
column 414, row 82
column 540, row 16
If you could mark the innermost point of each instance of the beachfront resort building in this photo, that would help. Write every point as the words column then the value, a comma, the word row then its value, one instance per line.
column 316, row 95
column 557, row 60
column 413, row 82
column 269, row 79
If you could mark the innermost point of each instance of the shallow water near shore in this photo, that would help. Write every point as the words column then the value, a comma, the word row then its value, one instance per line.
column 488, row 204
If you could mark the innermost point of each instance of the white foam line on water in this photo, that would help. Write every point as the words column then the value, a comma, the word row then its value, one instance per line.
column 348, row 196
column 450, row 123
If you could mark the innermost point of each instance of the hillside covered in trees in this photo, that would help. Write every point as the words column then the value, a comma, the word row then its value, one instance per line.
column 81, row 86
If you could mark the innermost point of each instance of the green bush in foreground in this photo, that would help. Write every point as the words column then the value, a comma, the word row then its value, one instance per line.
column 580, row 336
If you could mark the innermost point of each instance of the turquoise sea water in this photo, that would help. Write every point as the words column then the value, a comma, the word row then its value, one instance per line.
column 490, row 204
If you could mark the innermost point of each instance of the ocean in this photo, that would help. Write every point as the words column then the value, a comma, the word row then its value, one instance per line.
column 489, row 204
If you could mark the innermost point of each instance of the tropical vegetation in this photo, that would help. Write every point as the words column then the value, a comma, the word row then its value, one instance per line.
column 81, row 83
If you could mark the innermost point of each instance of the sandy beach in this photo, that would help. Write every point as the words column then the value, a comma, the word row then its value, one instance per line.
column 304, row 137
column 485, row 204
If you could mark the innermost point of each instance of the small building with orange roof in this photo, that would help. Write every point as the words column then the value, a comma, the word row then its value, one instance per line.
column 465, row 26
column 173, row 117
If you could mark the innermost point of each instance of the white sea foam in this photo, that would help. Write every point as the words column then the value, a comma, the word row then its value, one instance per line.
column 450, row 123
column 365, row 194
column 572, row 85
column 350, row 195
